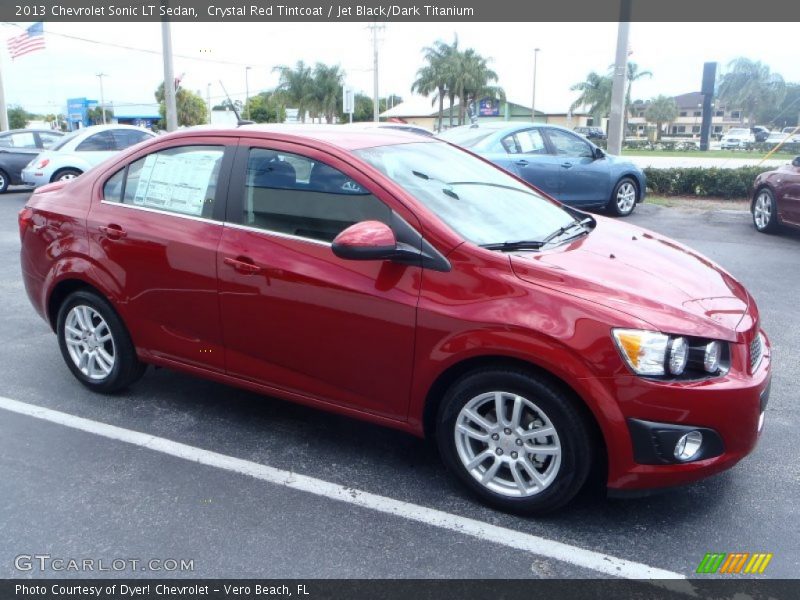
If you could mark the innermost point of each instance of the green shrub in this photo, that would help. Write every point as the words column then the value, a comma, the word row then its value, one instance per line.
column 700, row 181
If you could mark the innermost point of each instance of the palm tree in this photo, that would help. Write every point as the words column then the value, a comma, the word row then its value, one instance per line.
column 662, row 109
column 751, row 86
column 634, row 74
column 595, row 95
column 434, row 78
column 296, row 85
column 473, row 79
column 328, row 81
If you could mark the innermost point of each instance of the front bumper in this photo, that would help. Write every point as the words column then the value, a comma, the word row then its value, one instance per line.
column 729, row 409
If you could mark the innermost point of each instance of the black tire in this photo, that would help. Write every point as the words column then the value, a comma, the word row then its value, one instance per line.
column 559, row 408
column 126, row 368
column 764, row 211
column 619, row 204
column 65, row 174
column 4, row 181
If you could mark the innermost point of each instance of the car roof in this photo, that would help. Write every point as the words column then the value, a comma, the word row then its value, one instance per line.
column 346, row 138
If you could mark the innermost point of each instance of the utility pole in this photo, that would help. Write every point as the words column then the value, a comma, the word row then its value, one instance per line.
column 617, row 117
column 247, row 92
column 533, row 99
column 102, row 96
column 208, row 102
column 169, row 76
column 375, row 98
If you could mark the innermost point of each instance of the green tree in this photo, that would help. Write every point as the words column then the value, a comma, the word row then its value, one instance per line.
column 473, row 80
column 436, row 77
column 228, row 105
column 191, row 107
column 296, row 86
column 327, row 84
column 95, row 115
column 267, row 107
column 595, row 95
column 18, row 117
column 751, row 86
column 662, row 109
column 634, row 74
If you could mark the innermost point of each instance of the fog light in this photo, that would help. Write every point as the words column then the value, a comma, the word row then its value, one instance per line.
column 688, row 445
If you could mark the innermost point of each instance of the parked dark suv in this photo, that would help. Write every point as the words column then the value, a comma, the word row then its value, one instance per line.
column 593, row 133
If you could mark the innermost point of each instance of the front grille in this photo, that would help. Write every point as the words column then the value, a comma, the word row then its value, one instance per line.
column 756, row 352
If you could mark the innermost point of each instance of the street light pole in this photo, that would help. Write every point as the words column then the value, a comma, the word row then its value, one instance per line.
column 102, row 98
column 247, row 92
column 533, row 99
column 169, row 77
column 616, row 122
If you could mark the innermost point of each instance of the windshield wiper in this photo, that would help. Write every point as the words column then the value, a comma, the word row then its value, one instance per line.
column 517, row 245
column 538, row 244
column 445, row 190
column 562, row 230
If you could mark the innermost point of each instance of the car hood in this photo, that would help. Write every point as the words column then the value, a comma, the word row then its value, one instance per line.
column 644, row 275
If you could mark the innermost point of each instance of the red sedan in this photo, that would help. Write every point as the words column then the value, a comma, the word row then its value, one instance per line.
column 406, row 282
column 776, row 200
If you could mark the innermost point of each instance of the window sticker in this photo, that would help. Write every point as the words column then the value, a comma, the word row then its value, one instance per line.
column 176, row 183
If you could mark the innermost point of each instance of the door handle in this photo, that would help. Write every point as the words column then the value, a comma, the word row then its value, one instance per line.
column 521, row 162
column 566, row 165
column 114, row 232
column 242, row 264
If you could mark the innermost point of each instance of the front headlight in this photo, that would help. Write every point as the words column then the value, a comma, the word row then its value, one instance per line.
column 655, row 354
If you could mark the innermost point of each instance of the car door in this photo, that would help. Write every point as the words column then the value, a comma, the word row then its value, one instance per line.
column 789, row 195
column 295, row 317
column 525, row 154
column 154, row 227
column 17, row 150
column 583, row 179
column 97, row 147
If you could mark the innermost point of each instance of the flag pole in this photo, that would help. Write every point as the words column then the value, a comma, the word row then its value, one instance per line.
column 3, row 108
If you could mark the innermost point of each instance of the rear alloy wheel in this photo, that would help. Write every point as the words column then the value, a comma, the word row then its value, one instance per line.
column 624, row 199
column 65, row 175
column 516, row 440
column 764, row 211
column 95, row 344
column 3, row 181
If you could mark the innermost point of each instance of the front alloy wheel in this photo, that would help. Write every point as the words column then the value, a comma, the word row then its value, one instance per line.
column 518, row 440
column 508, row 444
column 764, row 211
column 624, row 198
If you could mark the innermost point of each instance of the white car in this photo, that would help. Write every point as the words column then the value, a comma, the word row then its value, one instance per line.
column 80, row 150
column 795, row 135
column 737, row 138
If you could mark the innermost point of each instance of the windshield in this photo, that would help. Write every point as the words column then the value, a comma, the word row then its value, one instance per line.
column 466, row 137
column 480, row 202
column 65, row 140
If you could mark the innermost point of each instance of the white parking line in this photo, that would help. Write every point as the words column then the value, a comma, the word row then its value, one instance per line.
column 574, row 555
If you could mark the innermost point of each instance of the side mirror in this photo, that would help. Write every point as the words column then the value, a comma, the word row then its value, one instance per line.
column 796, row 161
column 366, row 240
column 598, row 153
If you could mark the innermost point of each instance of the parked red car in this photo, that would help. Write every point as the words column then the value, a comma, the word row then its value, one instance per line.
column 409, row 283
column 776, row 200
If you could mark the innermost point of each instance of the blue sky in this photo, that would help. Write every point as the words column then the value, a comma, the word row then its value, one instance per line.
column 674, row 52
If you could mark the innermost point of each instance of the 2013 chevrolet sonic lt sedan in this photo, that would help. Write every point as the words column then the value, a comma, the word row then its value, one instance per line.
column 406, row 282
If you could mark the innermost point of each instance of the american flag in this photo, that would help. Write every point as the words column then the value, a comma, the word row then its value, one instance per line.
column 30, row 41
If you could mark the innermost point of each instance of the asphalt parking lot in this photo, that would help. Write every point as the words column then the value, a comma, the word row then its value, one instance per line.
column 76, row 494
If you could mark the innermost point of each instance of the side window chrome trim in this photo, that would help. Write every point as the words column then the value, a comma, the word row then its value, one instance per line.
column 161, row 212
column 277, row 234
